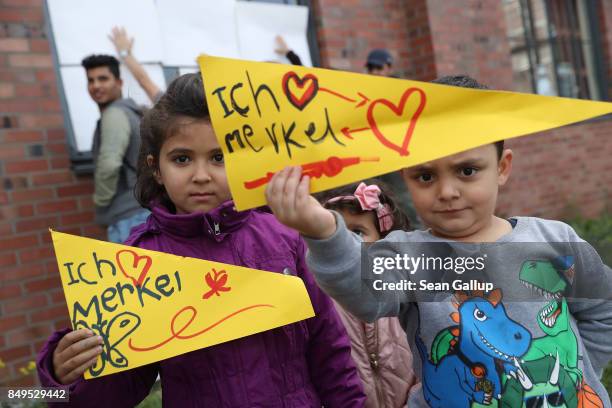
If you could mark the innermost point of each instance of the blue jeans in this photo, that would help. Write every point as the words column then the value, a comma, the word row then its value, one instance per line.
column 119, row 231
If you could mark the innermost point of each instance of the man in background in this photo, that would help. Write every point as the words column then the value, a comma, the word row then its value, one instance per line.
column 116, row 140
column 379, row 62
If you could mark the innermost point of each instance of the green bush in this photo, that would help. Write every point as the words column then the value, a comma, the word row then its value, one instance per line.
column 154, row 399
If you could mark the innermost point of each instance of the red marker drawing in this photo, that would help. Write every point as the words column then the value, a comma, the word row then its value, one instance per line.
column 329, row 168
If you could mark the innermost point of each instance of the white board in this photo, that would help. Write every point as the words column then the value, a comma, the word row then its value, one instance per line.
column 83, row 111
column 81, row 28
column 168, row 31
column 192, row 27
column 188, row 70
column 131, row 89
column 259, row 24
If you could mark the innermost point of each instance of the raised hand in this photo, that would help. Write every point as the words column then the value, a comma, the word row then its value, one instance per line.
column 289, row 199
column 120, row 40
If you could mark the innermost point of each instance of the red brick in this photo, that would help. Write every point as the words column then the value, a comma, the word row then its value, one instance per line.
column 56, row 134
column 75, row 190
column 14, row 45
column 31, row 90
column 57, row 206
column 11, row 322
column 30, row 60
column 18, row 242
column 46, row 76
column 9, row 292
column 12, row 152
column 26, row 303
column 35, row 254
column 53, row 312
column 43, row 284
column 6, row 228
column 14, row 353
column 7, row 90
column 25, row 210
column 60, row 163
column 8, row 258
column 77, row 218
column 26, row 166
column 21, row 15
column 28, row 334
column 50, row 105
column 23, row 136
column 57, row 149
column 41, row 120
column 51, row 267
column 61, row 323
column 38, row 45
column 22, row 3
column 57, row 297
column 55, row 177
column 35, row 194
column 23, row 272
column 36, row 224
column 20, row 76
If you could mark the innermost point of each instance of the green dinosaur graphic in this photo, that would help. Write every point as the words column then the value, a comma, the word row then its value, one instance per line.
column 539, row 383
column 551, row 280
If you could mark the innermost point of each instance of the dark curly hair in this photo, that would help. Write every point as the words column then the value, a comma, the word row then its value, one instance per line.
column 465, row 81
column 184, row 98
column 400, row 220
column 102, row 60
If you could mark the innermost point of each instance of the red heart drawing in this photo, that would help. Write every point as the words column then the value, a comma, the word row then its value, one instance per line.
column 398, row 110
column 309, row 93
column 136, row 260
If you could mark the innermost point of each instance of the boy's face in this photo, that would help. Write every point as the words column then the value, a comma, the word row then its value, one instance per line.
column 104, row 88
column 456, row 195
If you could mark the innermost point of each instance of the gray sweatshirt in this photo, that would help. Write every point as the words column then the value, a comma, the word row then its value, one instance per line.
column 528, row 319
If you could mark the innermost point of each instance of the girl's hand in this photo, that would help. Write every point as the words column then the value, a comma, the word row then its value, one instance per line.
column 75, row 353
column 288, row 197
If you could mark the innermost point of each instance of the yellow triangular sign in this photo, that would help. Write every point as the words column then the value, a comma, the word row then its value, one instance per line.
column 149, row 306
column 342, row 127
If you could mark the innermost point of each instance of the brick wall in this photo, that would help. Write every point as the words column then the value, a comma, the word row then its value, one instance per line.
column 349, row 29
column 427, row 37
column 561, row 173
column 605, row 22
column 38, row 191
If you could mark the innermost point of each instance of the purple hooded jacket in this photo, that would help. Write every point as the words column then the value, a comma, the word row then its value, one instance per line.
column 304, row 364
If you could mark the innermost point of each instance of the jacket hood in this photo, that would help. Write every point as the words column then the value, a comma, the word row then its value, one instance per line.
column 128, row 103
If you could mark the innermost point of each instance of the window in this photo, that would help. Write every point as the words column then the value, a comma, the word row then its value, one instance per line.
column 555, row 47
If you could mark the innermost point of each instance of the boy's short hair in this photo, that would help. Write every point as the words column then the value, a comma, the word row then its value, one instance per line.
column 102, row 60
column 465, row 81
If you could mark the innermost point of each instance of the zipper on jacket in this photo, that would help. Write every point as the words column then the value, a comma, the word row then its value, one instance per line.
column 217, row 229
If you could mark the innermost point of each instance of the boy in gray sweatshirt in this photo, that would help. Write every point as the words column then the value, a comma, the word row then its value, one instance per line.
column 503, row 312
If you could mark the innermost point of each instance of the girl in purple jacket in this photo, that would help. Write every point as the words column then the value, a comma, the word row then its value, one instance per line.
column 182, row 180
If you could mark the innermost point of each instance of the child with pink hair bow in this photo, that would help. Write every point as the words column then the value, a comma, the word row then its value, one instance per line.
column 380, row 349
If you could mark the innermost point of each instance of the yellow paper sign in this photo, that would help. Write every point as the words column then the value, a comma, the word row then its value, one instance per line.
column 149, row 306
column 343, row 127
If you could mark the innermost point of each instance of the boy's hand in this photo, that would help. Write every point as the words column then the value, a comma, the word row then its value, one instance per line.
column 75, row 353
column 292, row 204
column 120, row 39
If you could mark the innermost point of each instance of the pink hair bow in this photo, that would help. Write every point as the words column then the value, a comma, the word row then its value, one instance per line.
column 369, row 200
